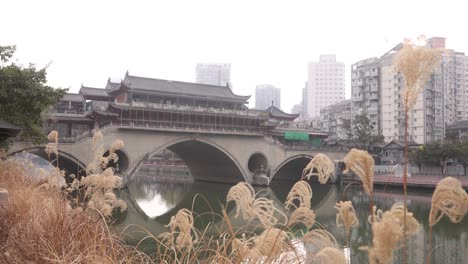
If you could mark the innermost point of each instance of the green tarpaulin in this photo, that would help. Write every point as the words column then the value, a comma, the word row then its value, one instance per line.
column 296, row 136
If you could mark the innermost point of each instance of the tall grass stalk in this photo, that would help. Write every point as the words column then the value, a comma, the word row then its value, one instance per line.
column 416, row 64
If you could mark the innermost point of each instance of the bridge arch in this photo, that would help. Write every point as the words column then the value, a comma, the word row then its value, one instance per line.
column 291, row 168
column 122, row 164
column 66, row 161
column 206, row 160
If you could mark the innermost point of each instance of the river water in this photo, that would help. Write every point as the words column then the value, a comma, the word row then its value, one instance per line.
column 151, row 204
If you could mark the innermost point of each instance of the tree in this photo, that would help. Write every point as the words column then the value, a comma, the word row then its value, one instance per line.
column 360, row 131
column 460, row 154
column 24, row 96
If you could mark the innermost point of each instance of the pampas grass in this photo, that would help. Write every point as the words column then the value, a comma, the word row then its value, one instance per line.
column 450, row 199
column 323, row 166
column 331, row 255
column 38, row 225
column 388, row 232
column 362, row 164
column 301, row 192
column 346, row 217
column 302, row 215
column 416, row 64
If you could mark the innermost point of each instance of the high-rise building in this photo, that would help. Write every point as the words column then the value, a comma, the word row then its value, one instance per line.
column 365, row 90
column 443, row 101
column 305, row 102
column 213, row 73
column 326, row 84
column 267, row 95
column 332, row 118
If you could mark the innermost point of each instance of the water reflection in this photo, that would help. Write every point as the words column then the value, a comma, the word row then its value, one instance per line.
column 156, row 199
column 152, row 204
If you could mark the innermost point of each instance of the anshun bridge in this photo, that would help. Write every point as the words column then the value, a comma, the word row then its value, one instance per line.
column 209, row 127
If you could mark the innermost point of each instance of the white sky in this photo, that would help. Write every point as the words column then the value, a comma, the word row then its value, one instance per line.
column 266, row 42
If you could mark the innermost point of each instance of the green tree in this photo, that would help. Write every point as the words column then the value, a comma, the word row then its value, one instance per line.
column 460, row 154
column 24, row 96
column 360, row 131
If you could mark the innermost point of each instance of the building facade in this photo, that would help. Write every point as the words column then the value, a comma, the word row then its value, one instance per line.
column 218, row 74
column 326, row 84
column 443, row 101
column 267, row 95
column 365, row 90
column 332, row 118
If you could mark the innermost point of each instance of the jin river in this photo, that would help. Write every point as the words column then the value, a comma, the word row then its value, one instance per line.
column 151, row 205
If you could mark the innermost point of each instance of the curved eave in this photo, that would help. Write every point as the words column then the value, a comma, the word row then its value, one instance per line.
column 237, row 99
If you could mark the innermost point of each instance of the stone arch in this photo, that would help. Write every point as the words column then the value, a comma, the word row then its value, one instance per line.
column 206, row 160
column 66, row 161
column 122, row 164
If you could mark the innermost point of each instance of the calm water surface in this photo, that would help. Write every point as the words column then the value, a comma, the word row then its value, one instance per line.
column 150, row 205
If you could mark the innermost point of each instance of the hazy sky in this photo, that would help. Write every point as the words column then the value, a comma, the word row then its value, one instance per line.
column 266, row 42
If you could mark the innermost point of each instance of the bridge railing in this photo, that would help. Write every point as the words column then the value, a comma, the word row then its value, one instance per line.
column 190, row 127
column 205, row 109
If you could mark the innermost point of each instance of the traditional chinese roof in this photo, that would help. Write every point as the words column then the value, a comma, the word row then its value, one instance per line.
column 91, row 93
column 8, row 130
column 277, row 113
column 176, row 88
column 396, row 144
column 72, row 97
column 112, row 85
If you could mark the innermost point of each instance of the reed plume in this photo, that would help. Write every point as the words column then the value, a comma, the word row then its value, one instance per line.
column 449, row 199
column 52, row 146
column 346, row 216
column 252, row 208
column 412, row 225
column 388, row 232
column 330, row 255
column 416, row 64
column 323, row 166
column 362, row 164
column 97, row 137
column 181, row 227
column 302, row 215
column 243, row 195
column 319, row 238
column 271, row 242
column 301, row 192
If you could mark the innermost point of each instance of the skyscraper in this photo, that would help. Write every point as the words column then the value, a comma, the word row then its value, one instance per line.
column 265, row 95
column 365, row 90
column 326, row 83
column 213, row 73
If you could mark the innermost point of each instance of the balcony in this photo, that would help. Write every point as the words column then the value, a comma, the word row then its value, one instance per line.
column 357, row 98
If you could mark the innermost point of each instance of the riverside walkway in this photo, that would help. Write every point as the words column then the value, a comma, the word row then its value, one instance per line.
column 415, row 181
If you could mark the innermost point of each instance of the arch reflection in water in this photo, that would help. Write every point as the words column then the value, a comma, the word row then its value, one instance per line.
column 156, row 199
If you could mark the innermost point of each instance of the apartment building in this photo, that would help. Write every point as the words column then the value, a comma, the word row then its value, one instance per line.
column 332, row 116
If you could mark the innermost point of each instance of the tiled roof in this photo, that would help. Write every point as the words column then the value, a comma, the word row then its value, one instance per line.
column 6, row 125
column 181, row 88
column 72, row 97
column 275, row 112
column 94, row 92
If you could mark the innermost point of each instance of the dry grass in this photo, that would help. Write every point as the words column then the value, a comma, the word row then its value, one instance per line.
column 416, row 64
column 301, row 192
column 449, row 199
column 362, row 164
column 321, row 166
column 346, row 217
column 37, row 225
